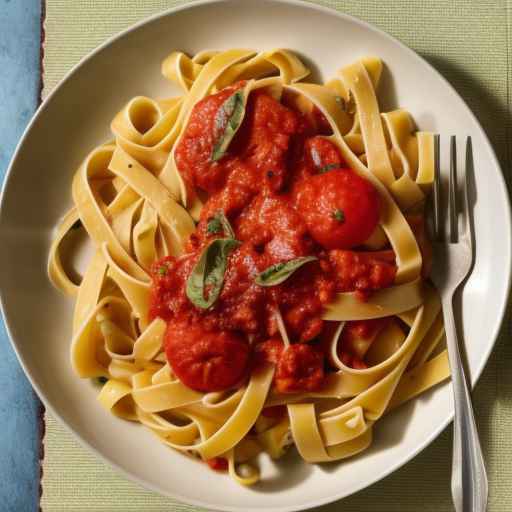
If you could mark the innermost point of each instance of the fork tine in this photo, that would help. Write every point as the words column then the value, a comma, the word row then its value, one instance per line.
column 469, row 173
column 452, row 197
column 436, row 196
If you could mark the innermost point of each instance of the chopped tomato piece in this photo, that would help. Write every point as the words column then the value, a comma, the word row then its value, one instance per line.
column 363, row 271
column 323, row 155
column 218, row 463
column 194, row 151
column 241, row 306
column 269, row 351
column 300, row 368
column 340, row 208
column 276, row 228
column 205, row 361
column 301, row 300
column 167, row 295
column 266, row 137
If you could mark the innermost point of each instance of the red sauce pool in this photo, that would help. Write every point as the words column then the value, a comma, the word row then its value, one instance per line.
column 287, row 193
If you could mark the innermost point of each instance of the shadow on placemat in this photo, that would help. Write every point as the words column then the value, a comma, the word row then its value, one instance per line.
column 492, row 114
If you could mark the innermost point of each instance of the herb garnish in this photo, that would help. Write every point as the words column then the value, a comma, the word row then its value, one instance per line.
column 328, row 167
column 278, row 273
column 227, row 121
column 207, row 277
column 214, row 226
column 338, row 215
column 218, row 223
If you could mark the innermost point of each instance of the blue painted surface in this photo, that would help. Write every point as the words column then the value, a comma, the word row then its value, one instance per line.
column 19, row 407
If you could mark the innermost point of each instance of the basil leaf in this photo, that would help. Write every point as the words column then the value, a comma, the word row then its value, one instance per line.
column 328, row 167
column 220, row 222
column 207, row 277
column 280, row 272
column 214, row 226
column 226, row 226
column 227, row 121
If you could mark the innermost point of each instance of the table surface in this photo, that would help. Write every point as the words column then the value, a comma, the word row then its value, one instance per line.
column 20, row 37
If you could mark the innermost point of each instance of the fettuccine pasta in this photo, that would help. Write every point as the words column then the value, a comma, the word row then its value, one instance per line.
column 260, row 269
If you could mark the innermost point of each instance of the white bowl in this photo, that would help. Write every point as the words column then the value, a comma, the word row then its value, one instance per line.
column 76, row 117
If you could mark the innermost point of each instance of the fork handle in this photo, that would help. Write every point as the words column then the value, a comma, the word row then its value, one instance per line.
column 469, row 478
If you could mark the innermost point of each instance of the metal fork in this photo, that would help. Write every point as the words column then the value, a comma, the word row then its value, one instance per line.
column 453, row 260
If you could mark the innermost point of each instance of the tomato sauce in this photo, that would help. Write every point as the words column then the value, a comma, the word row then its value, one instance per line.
column 300, row 368
column 356, row 339
column 196, row 145
column 218, row 464
column 363, row 272
column 287, row 193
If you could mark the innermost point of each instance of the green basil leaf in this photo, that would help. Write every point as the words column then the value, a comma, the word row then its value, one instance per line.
column 207, row 277
column 227, row 121
column 214, row 226
column 328, row 167
column 220, row 222
column 338, row 215
column 280, row 272
column 226, row 226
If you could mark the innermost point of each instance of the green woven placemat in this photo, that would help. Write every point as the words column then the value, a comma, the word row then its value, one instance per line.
column 469, row 43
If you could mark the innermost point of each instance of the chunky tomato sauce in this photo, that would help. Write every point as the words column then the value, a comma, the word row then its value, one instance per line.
column 218, row 464
column 356, row 339
column 287, row 193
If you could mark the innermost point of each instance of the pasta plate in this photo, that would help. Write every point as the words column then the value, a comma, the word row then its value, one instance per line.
column 39, row 321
